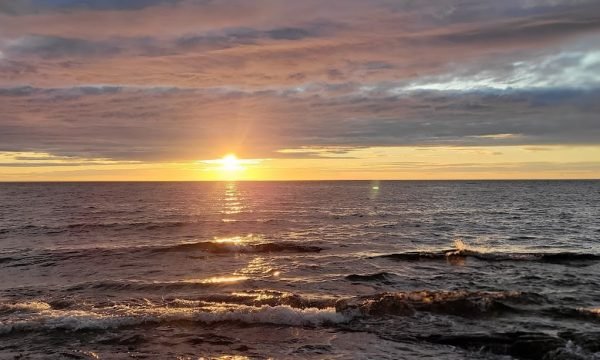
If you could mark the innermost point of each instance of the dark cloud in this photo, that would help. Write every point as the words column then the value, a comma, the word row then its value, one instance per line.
column 23, row 7
column 53, row 47
column 50, row 47
column 226, row 39
column 171, row 124
column 289, row 34
column 243, row 36
column 529, row 29
column 17, row 91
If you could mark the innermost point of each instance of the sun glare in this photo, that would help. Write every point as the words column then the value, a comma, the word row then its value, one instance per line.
column 231, row 163
column 230, row 167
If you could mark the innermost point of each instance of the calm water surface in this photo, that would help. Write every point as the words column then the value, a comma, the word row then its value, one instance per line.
column 336, row 270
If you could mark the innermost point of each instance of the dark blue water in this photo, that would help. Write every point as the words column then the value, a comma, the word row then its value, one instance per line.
column 336, row 270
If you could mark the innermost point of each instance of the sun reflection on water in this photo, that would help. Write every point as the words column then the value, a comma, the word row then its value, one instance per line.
column 238, row 239
column 374, row 190
column 259, row 267
column 218, row 279
column 261, row 295
column 232, row 202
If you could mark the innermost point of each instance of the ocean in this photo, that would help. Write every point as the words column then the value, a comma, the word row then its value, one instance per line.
column 306, row 270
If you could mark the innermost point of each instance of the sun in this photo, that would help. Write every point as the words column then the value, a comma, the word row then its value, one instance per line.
column 230, row 167
column 231, row 163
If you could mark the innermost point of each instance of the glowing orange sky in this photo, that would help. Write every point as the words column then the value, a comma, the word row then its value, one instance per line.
column 344, row 89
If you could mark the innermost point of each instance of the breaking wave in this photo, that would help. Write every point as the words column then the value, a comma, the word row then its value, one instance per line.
column 460, row 303
column 260, row 307
column 462, row 251
column 118, row 316
column 28, row 306
column 594, row 312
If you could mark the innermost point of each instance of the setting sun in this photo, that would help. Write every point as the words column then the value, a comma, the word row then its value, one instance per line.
column 230, row 162
column 230, row 167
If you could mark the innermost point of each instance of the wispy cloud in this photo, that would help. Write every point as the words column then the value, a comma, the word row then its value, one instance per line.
column 110, row 80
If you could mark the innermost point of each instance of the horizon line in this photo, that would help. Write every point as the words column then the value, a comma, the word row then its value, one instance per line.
column 288, row 180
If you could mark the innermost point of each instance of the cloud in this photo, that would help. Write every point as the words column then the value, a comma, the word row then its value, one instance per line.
column 530, row 29
column 108, row 79
column 288, row 33
column 245, row 36
column 209, row 45
column 162, row 124
column 23, row 7
column 52, row 47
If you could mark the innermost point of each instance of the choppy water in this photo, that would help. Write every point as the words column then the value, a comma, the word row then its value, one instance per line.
column 337, row 270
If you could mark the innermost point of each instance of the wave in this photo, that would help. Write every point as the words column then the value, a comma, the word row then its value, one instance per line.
column 126, row 316
column 240, row 247
column 587, row 314
column 48, row 257
column 380, row 276
column 133, row 225
column 251, row 307
column 260, row 298
column 28, row 306
column 551, row 258
column 594, row 312
column 462, row 251
column 138, row 285
column 6, row 259
column 461, row 303
column 246, row 297
column 522, row 344
column 265, row 307
column 416, row 255
column 89, row 226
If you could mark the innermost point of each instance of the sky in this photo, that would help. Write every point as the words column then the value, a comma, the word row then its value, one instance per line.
column 336, row 89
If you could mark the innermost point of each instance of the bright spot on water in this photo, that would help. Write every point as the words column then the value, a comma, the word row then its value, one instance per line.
column 219, row 280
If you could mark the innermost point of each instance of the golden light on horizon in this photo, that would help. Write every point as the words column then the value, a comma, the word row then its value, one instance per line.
column 231, row 168
column 424, row 163
column 230, row 163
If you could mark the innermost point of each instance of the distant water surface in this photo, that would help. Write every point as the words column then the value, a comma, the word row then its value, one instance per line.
column 337, row 270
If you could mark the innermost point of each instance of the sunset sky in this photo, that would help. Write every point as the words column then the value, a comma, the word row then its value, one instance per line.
column 337, row 89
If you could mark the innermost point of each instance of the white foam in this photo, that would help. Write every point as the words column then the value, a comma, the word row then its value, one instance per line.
column 123, row 315
column 590, row 311
column 282, row 314
column 461, row 246
column 28, row 306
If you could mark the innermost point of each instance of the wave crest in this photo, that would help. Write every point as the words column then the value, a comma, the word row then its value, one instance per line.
column 235, row 247
column 138, row 285
column 123, row 315
column 462, row 251
column 462, row 303
column 27, row 306
column 380, row 276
